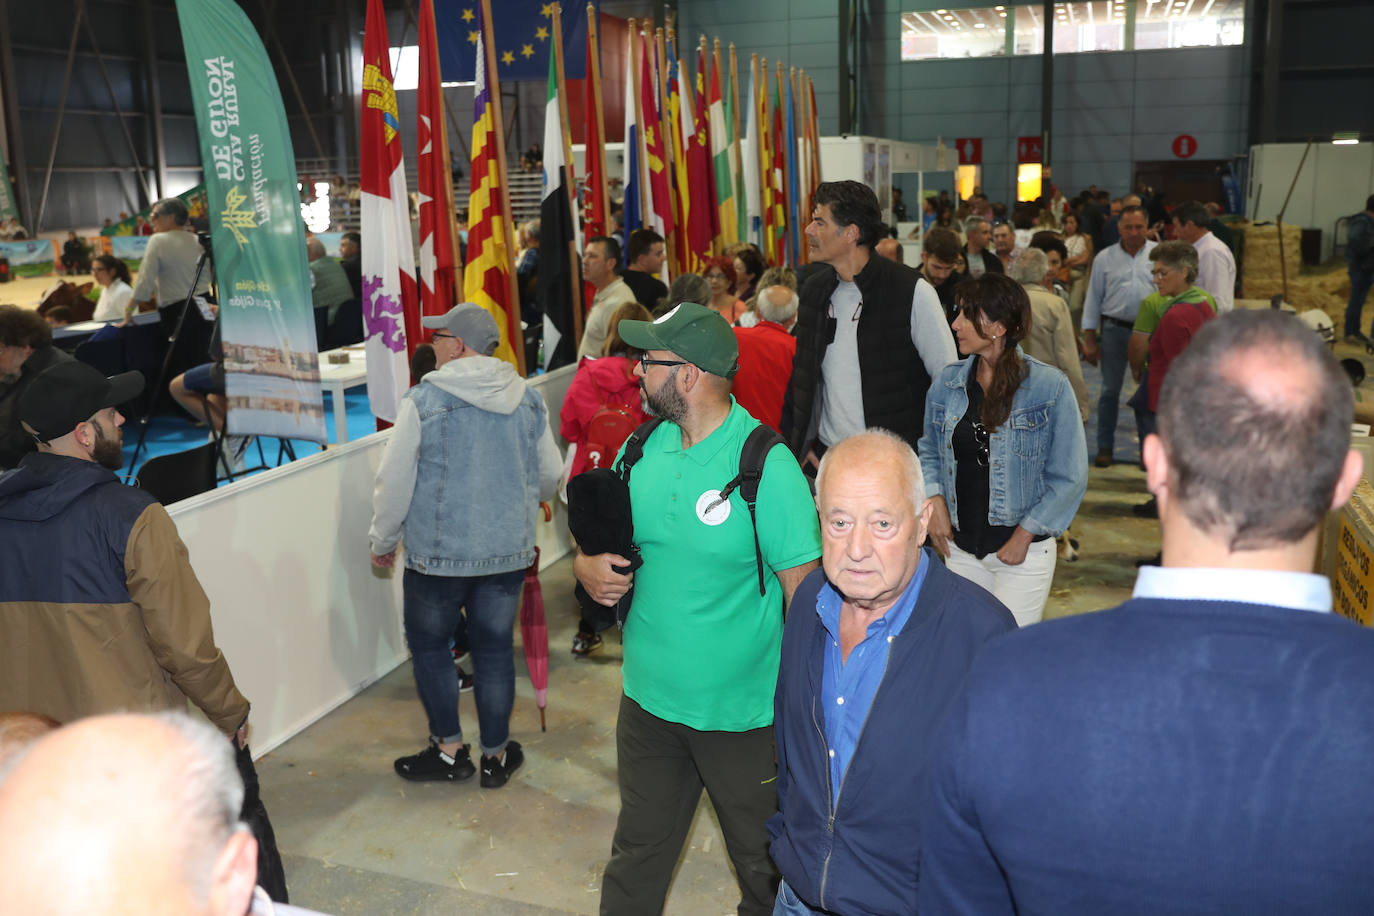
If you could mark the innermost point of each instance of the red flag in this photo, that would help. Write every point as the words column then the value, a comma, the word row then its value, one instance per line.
column 388, row 266
column 785, row 253
column 701, row 109
column 594, row 202
column 436, row 183
column 656, row 156
column 700, row 187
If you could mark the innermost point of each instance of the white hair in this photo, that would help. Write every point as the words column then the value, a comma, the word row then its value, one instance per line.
column 207, row 794
column 1030, row 268
column 973, row 222
column 770, row 310
column 875, row 437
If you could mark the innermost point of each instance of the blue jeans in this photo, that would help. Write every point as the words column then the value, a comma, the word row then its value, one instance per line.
column 433, row 607
column 789, row 904
column 1114, row 340
column 1360, row 283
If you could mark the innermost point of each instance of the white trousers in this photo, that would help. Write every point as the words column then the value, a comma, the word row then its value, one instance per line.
column 1023, row 589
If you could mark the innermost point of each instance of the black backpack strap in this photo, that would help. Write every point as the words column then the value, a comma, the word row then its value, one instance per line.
column 634, row 447
column 751, row 459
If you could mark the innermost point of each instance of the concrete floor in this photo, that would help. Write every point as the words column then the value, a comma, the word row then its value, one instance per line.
column 358, row 840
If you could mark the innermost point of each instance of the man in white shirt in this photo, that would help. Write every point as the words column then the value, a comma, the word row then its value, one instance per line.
column 166, row 274
column 600, row 259
column 1120, row 282
column 169, row 264
column 1216, row 266
column 1004, row 245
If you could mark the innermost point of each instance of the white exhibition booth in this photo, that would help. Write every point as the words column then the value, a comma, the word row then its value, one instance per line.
column 302, row 618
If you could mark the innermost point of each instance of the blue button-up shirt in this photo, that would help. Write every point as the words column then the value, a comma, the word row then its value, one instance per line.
column 1118, row 284
column 848, row 687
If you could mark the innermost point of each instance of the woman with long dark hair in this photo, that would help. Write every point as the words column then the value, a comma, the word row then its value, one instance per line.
column 1003, row 453
column 116, row 298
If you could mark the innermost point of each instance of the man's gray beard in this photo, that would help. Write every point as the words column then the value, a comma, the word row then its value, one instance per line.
column 671, row 406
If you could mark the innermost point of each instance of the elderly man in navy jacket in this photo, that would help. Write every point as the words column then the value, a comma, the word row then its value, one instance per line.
column 876, row 644
column 1206, row 746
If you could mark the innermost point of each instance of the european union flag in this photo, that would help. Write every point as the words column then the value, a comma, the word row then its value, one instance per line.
column 523, row 30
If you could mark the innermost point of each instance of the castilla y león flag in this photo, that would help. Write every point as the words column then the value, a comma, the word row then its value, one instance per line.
column 388, row 261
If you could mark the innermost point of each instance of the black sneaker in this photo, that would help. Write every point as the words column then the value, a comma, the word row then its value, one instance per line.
column 465, row 681
column 495, row 773
column 585, row 644
column 432, row 764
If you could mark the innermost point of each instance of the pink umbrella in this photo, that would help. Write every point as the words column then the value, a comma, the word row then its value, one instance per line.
column 534, row 632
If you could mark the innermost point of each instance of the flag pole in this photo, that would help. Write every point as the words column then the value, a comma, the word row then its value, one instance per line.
column 641, row 155
column 595, row 76
column 458, row 266
column 494, row 94
column 570, row 180
column 665, row 120
column 770, row 246
column 736, row 154
column 799, row 119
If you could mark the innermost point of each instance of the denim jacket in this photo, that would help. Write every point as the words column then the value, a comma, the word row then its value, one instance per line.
column 469, row 460
column 1037, row 459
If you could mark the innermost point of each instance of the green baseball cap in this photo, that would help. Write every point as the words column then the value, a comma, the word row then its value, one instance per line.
column 694, row 332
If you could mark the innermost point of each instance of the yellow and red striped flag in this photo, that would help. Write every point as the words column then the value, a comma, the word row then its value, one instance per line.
column 487, row 279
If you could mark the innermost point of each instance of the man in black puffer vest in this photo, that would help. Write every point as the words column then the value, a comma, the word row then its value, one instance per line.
column 870, row 332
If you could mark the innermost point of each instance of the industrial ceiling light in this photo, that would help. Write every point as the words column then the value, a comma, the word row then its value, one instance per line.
column 1345, row 138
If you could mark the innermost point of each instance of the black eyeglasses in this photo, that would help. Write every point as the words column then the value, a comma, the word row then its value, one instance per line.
column 645, row 362
column 980, row 439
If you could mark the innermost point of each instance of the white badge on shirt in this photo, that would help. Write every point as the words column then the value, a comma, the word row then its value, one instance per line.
column 711, row 509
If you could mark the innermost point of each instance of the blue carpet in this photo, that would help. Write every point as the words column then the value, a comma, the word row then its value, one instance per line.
column 168, row 433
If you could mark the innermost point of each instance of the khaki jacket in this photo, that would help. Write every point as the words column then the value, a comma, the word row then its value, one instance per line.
column 100, row 610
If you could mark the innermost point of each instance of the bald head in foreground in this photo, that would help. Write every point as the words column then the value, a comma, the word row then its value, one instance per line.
column 878, row 639
column 1204, row 747
column 147, row 824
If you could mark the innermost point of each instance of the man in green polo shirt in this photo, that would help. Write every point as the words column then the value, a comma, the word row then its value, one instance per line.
column 701, row 644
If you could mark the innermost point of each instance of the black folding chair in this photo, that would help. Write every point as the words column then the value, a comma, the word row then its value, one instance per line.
column 180, row 475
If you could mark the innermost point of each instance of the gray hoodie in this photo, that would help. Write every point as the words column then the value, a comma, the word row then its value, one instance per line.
column 474, row 440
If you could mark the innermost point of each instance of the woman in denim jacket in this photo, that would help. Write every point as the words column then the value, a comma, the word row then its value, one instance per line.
column 1003, row 452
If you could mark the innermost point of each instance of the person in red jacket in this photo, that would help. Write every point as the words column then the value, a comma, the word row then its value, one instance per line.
column 766, row 351
column 600, row 410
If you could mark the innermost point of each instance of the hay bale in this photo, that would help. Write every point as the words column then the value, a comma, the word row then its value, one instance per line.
column 1262, row 276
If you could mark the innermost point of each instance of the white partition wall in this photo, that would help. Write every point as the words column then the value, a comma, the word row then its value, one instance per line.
column 302, row 618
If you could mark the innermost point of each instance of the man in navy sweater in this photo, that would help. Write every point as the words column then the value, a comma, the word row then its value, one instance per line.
column 875, row 646
column 1206, row 746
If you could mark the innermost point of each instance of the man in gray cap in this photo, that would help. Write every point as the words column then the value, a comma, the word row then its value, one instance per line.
column 469, row 459
column 704, row 630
